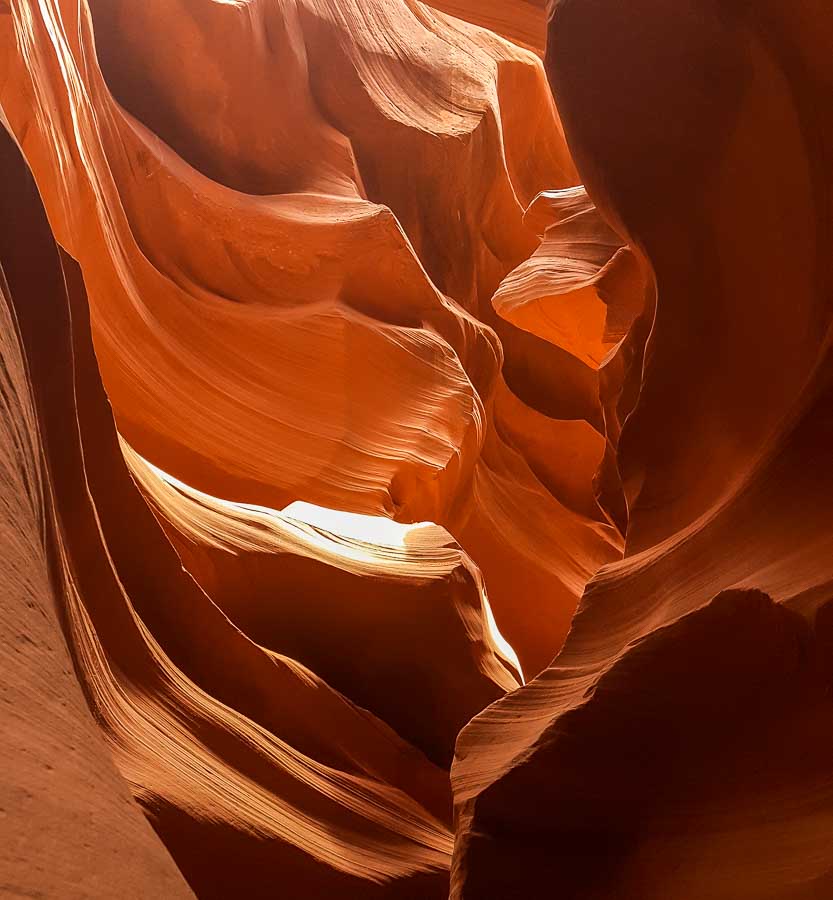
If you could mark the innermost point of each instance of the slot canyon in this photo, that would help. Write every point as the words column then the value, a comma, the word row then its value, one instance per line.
column 416, row 449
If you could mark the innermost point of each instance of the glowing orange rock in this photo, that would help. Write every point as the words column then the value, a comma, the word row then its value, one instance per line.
column 350, row 402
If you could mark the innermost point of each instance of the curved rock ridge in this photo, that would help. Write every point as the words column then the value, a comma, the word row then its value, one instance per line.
column 523, row 22
column 678, row 745
column 410, row 488
column 582, row 288
column 312, row 228
column 402, row 604
column 233, row 757
column 242, row 725
column 69, row 825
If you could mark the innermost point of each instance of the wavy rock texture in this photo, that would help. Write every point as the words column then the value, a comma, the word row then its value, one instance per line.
column 407, row 495
column 69, row 825
column 312, row 228
column 678, row 746
column 198, row 740
column 522, row 21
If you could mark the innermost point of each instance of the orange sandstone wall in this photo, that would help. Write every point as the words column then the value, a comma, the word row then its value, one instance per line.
column 412, row 489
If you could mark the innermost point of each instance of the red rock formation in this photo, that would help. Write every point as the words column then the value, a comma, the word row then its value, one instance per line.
column 522, row 21
column 678, row 745
column 197, row 240
column 69, row 825
column 233, row 757
column 334, row 384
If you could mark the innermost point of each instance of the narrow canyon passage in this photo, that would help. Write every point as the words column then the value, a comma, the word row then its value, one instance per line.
column 415, row 446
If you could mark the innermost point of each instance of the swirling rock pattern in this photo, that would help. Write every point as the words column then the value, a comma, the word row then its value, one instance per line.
column 409, row 488
column 678, row 744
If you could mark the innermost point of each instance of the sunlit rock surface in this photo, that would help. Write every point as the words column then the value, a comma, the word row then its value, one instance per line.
column 409, row 488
